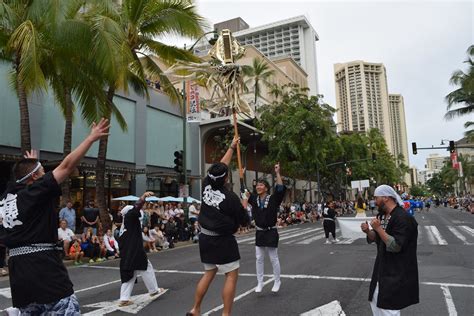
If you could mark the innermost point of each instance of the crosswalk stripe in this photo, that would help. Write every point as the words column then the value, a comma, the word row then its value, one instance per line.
column 283, row 233
column 301, row 239
column 428, row 234
column 299, row 234
column 437, row 235
column 458, row 235
column 310, row 240
column 346, row 242
column 420, row 235
column 468, row 229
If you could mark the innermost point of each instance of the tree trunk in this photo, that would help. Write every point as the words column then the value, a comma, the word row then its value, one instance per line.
column 66, row 185
column 100, row 171
column 24, row 112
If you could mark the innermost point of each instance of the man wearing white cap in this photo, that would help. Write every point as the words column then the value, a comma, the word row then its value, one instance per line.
column 394, row 283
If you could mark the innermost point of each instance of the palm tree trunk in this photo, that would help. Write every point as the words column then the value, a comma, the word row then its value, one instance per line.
column 100, row 171
column 66, row 186
column 24, row 112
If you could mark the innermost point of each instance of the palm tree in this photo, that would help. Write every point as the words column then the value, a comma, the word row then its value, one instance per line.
column 463, row 96
column 140, row 23
column 22, row 45
column 70, row 69
column 259, row 73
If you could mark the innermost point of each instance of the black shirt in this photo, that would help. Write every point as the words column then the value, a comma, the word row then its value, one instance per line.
column 265, row 214
column 90, row 214
column 222, row 213
column 132, row 254
column 29, row 217
column 397, row 272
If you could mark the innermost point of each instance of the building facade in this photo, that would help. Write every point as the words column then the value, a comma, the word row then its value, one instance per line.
column 436, row 162
column 140, row 158
column 398, row 127
column 362, row 98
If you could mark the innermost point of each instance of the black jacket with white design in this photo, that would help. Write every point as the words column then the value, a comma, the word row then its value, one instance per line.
column 29, row 217
column 222, row 213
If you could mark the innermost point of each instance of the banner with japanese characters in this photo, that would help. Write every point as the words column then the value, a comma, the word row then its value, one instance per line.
column 193, row 106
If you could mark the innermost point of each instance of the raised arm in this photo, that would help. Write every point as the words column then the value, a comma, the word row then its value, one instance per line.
column 71, row 161
column 278, row 176
column 228, row 155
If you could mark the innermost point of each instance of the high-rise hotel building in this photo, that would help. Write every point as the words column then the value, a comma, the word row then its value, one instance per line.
column 293, row 37
column 362, row 98
column 398, row 127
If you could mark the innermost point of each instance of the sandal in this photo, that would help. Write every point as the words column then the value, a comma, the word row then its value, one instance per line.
column 125, row 303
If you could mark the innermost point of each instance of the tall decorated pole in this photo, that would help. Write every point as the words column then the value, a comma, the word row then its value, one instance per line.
column 224, row 77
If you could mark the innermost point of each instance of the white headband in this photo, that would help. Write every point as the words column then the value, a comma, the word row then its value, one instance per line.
column 213, row 177
column 385, row 190
column 36, row 168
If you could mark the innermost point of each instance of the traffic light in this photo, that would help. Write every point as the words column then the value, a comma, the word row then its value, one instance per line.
column 178, row 161
column 413, row 148
column 451, row 146
column 374, row 157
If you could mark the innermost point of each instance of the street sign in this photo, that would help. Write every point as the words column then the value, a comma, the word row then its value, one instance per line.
column 360, row 184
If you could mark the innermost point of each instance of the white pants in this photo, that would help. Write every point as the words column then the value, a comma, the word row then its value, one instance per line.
column 376, row 311
column 149, row 279
column 273, row 254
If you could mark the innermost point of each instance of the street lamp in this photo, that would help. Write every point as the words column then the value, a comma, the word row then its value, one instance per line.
column 185, row 168
column 442, row 141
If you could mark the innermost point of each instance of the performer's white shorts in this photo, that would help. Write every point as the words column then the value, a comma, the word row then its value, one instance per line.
column 223, row 268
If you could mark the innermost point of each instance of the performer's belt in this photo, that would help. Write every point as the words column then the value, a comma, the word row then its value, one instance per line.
column 209, row 232
column 24, row 250
column 266, row 228
column 328, row 219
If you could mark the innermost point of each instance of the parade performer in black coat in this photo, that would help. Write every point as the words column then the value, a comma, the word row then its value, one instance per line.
column 132, row 253
column 265, row 211
column 39, row 281
column 221, row 215
column 394, row 283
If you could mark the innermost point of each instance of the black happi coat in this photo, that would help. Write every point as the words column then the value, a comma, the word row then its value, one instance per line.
column 29, row 217
column 222, row 213
column 265, row 213
column 132, row 254
column 397, row 273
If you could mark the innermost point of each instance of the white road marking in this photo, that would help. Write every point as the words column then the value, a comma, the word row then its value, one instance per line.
column 300, row 233
column 96, row 286
column 139, row 302
column 282, row 233
column 436, row 235
column 347, row 241
column 310, row 240
column 420, row 235
column 252, row 290
column 468, row 229
column 331, row 309
column 289, row 276
column 6, row 292
column 298, row 240
column 459, row 235
column 449, row 301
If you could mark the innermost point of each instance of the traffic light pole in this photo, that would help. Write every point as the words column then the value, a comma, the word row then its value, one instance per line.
column 185, row 170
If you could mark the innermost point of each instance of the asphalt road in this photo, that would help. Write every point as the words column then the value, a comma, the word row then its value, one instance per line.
column 313, row 274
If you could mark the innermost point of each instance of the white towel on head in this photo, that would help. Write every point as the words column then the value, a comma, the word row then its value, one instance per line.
column 386, row 190
column 124, row 211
